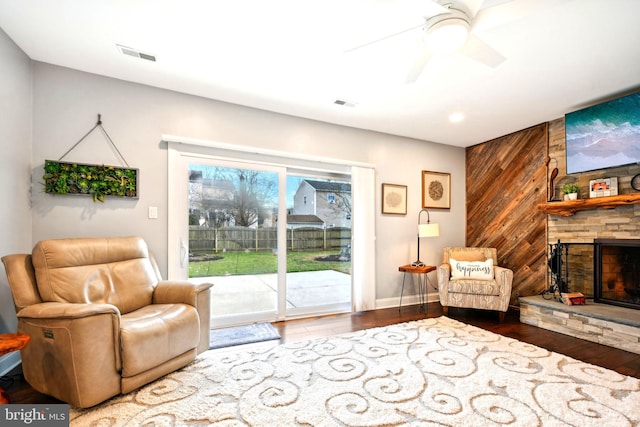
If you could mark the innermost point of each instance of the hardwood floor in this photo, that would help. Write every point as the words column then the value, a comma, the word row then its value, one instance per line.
column 617, row 360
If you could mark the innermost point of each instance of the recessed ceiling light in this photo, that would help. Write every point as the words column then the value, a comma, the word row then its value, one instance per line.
column 456, row 117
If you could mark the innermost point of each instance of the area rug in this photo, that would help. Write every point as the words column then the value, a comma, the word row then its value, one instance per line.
column 238, row 335
column 431, row 372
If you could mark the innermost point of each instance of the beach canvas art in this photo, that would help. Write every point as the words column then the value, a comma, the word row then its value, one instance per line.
column 604, row 136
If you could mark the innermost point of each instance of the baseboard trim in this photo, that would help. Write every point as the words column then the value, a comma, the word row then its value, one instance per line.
column 406, row 300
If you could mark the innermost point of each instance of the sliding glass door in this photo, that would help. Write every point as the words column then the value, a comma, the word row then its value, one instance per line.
column 275, row 242
column 233, row 237
column 318, row 244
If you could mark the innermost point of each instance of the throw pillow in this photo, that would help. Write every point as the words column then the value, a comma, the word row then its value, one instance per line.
column 482, row 270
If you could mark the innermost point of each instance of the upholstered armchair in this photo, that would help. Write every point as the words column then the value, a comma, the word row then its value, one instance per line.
column 471, row 278
column 101, row 320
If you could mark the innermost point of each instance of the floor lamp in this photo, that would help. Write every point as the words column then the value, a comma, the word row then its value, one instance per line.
column 425, row 230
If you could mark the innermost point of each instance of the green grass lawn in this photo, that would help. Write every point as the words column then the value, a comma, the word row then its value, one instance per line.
column 264, row 262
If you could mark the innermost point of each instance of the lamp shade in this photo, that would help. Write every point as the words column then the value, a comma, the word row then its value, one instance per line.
column 428, row 230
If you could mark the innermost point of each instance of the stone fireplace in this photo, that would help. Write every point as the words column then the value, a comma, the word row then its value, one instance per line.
column 587, row 226
column 617, row 325
column 617, row 272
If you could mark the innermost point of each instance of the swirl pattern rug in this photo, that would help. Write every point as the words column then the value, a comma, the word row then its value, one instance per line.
column 431, row 372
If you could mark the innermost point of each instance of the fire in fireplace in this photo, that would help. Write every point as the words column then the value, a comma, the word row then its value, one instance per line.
column 617, row 272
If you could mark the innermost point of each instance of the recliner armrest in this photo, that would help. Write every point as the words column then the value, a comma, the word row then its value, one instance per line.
column 185, row 292
column 74, row 351
column 60, row 310
column 178, row 291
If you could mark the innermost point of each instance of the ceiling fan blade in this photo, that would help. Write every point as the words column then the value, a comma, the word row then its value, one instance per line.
column 420, row 8
column 383, row 38
column 421, row 58
column 510, row 11
column 472, row 6
column 425, row 9
column 481, row 52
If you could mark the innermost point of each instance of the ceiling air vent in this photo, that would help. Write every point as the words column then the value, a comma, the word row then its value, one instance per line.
column 344, row 102
column 136, row 53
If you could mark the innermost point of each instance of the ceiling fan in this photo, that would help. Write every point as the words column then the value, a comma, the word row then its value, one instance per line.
column 451, row 26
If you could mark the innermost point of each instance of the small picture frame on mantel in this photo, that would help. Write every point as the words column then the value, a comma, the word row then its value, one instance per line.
column 436, row 190
column 394, row 199
column 603, row 187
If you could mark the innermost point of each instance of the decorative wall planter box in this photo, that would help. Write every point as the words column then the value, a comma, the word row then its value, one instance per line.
column 98, row 181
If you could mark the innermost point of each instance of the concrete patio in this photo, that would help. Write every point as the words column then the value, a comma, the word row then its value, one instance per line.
column 244, row 294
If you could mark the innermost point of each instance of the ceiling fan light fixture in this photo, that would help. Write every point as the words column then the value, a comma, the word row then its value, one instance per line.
column 447, row 35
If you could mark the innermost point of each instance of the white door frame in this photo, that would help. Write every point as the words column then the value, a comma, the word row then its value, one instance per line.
column 363, row 182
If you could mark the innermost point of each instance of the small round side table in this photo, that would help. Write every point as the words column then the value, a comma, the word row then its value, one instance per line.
column 9, row 343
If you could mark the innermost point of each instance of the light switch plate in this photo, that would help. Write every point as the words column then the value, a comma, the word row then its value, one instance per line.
column 153, row 212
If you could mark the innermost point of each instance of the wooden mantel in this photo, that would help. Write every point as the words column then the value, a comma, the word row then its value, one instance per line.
column 570, row 207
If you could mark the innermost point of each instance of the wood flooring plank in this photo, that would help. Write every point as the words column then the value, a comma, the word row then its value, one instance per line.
column 620, row 361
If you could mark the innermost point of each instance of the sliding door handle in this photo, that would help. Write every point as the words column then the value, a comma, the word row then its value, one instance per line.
column 184, row 251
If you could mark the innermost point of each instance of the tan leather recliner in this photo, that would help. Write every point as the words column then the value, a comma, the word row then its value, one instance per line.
column 101, row 320
column 475, row 281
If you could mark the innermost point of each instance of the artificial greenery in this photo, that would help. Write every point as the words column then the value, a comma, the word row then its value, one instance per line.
column 570, row 188
column 98, row 181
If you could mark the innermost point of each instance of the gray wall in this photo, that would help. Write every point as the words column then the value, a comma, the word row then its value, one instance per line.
column 66, row 104
column 15, row 170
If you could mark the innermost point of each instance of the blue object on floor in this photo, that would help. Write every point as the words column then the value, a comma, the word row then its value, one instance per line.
column 238, row 335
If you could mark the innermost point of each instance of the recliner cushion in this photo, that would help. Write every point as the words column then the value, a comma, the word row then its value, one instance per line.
column 155, row 334
column 115, row 271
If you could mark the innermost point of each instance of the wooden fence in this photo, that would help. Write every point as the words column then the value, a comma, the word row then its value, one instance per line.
column 212, row 240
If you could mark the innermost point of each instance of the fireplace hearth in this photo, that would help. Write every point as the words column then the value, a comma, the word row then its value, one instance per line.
column 607, row 270
column 617, row 272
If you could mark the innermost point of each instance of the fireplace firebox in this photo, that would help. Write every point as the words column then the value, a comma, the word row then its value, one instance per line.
column 617, row 272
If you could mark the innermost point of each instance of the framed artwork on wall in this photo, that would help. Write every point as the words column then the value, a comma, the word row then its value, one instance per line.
column 599, row 137
column 394, row 199
column 436, row 190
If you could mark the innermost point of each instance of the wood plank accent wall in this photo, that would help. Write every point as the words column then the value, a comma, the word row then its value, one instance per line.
column 506, row 178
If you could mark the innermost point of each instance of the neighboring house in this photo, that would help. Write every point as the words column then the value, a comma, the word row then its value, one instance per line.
column 330, row 201
column 208, row 198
